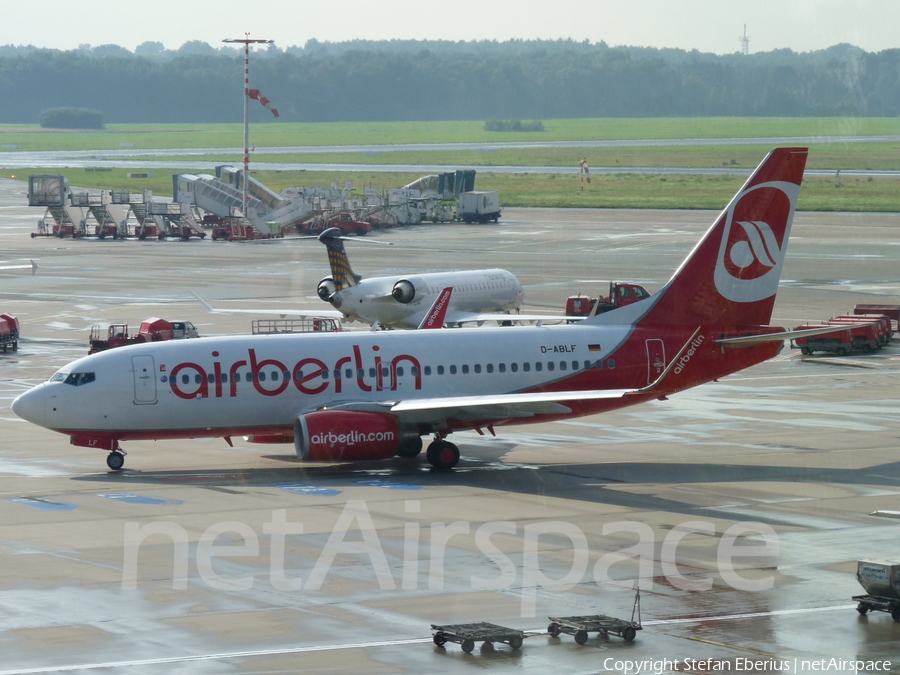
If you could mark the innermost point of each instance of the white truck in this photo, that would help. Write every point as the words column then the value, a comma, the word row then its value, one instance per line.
column 479, row 206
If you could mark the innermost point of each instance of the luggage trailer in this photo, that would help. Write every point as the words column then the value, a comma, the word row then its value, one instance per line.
column 467, row 634
column 580, row 626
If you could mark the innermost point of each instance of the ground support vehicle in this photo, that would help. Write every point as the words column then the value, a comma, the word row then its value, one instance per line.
column 346, row 222
column 890, row 311
column 9, row 332
column 312, row 324
column 882, row 323
column 868, row 332
column 467, row 634
column 580, row 626
column 238, row 229
column 479, row 206
column 881, row 581
column 153, row 329
column 840, row 341
column 621, row 294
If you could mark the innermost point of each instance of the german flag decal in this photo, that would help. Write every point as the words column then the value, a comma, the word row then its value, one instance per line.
column 594, row 348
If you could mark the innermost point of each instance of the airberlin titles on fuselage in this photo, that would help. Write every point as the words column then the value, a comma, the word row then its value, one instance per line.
column 309, row 375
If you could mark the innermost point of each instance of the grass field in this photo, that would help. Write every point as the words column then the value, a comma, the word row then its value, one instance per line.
column 378, row 133
column 607, row 191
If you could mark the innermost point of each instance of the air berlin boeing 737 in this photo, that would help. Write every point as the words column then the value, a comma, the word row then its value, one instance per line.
column 373, row 395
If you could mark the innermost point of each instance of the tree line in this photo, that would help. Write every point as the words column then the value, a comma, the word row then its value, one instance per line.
column 441, row 80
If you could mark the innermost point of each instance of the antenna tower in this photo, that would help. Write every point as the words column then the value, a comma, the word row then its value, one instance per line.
column 745, row 42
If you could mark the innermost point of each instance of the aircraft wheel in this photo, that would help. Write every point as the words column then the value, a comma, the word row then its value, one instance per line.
column 581, row 636
column 442, row 455
column 115, row 460
column 411, row 448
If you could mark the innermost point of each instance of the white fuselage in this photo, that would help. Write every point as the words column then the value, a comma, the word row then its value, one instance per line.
column 474, row 292
column 241, row 385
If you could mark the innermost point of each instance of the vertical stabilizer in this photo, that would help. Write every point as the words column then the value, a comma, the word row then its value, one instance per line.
column 337, row 259
column 732, row 275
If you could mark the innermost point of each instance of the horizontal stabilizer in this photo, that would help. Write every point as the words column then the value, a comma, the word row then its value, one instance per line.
column 750, row 340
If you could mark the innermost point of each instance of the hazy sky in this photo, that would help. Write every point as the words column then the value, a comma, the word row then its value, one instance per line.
column 706, row 25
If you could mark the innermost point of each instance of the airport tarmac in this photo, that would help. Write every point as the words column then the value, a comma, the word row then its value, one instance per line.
column 807, row 448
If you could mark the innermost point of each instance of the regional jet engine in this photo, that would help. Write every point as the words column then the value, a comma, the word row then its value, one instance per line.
column 409, row 290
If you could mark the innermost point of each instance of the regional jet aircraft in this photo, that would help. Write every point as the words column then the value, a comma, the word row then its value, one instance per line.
column 402, row 301
column 373, row 395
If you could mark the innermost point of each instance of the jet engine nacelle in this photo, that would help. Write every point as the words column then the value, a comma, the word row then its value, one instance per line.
column 343, row 435
column 409, row 290
column 326, row 291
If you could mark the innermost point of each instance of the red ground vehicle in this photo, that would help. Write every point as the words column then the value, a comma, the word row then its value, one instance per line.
column 890, row 311
column 840, row 341
column 881, row 324
column 345, row 222
column 621, row 294
column 153, row 329
column 9, row 332
column 232, row 229
column 866, row 337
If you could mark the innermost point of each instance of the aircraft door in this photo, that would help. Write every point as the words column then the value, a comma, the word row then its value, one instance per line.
column 656, row 359
column 144, row 380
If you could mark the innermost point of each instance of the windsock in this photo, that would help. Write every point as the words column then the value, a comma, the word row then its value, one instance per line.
column 256, row 96
column 584, row 168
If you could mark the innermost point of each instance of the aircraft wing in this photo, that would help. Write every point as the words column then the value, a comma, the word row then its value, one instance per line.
column 481, row 317
column 323, row 313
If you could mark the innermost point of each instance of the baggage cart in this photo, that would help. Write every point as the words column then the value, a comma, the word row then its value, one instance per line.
column 467, row 634
column 580, row 626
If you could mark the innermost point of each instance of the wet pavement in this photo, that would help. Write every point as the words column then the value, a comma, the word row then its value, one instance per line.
column 192, row 560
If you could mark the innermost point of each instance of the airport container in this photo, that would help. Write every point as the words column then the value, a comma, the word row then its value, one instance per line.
column 479, row 206
column 9, row 332
column 879, row 578
column 891, row 311
column 839, row 341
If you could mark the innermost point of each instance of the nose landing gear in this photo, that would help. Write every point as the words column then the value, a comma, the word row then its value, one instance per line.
column 442, row 454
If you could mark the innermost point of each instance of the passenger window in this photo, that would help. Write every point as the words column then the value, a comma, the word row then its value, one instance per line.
column 465, row 369
column 490, row 367
column 224, row 377
column 287, row 375
column 440, row 370
column 385, row 372
column 574, row 365
column 185, row 379
column 348, row 373
column 337, row 374
column 538, row 366
column 587, row 364
column 324, row 374
column 611, row 363
column 400, row 371
column 477, row 367
column 412, row 371
column 211, row 378
column 502, row 367
column 514, row 367
column 550, row 365
column 563, row 365
column 198, row 379
column 262, row 376
column 453, row 370
column 371, row 372
column 237, row 377
column 526, row 367
column 428, row 370
column 360, row 373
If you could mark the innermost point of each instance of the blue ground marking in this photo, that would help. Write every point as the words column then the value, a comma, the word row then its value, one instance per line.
column 388, row 484
column 303, row 489
column 129, row 498
column 42, row 504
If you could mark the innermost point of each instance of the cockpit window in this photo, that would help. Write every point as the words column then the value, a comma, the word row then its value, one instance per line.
column 59, row 377
column 78, row 379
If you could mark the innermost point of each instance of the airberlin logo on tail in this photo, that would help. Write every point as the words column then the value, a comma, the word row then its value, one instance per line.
column 754, row 240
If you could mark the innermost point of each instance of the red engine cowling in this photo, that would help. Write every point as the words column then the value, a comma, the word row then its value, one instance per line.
column 343, row 435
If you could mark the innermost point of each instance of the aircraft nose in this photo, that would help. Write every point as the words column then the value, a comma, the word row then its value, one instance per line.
column 32, row 406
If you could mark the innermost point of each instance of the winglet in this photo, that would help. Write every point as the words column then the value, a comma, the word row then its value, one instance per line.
column 34, row 267
column 209, row 308
column 435, row 316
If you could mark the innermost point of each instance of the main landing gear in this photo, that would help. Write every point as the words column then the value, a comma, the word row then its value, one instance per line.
column 115, row 460
column 442, row 454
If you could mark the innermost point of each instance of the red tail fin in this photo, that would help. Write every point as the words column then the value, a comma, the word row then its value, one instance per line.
column 435, row 316
column 732, row 275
